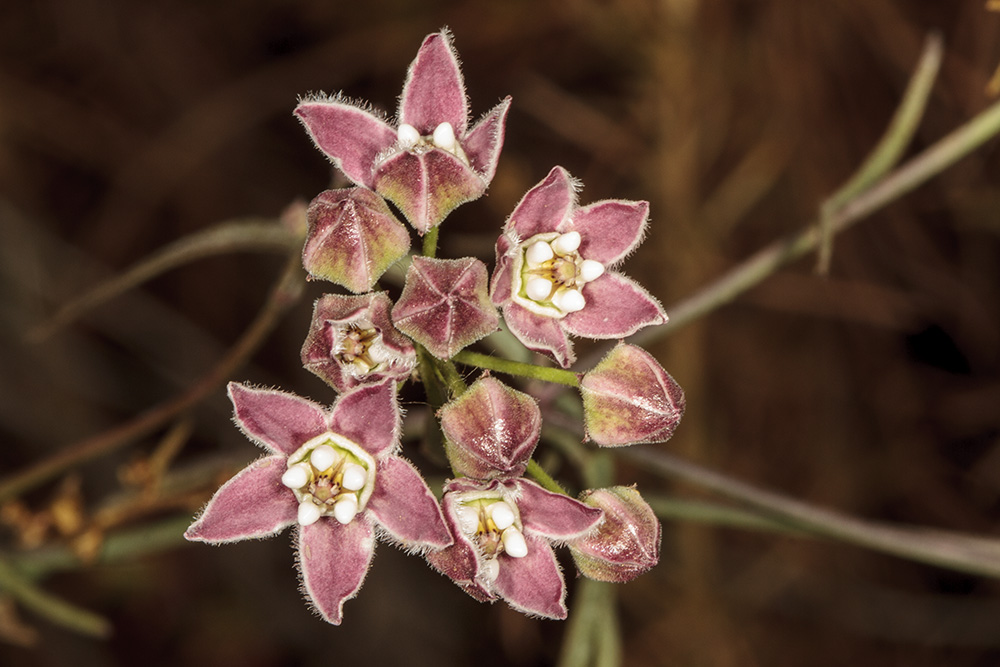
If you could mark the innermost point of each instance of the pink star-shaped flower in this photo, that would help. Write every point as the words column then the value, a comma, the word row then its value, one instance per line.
column 504, row 525
column 429, row 161
column 554, row 276
column 335, row 474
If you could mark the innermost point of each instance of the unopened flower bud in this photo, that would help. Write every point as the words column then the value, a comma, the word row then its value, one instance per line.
column 628, row 398
column 626, row 544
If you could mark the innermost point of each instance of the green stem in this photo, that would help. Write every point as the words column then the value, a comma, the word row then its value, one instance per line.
column 285, row 294
column 890, row 148
column 955, row 551
column 753, row 270
column 592, row 635
column 545, row 373
column 50, row 607
column 252, row 235
column 543, row 478
column 430, row 242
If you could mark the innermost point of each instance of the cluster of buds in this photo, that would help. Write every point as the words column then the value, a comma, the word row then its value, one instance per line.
column 336, row 475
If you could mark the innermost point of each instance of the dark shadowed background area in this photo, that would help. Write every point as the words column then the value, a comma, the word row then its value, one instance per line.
column 876, row 391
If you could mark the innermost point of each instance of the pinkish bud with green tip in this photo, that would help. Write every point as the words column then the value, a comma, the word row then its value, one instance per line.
column 444, row 305
column 352, row 341
column 490, row 430
column 353, row 238
column 626, row 545
column 629, row 399
column 427, row 162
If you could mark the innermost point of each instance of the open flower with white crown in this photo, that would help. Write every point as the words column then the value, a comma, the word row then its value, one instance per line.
column 504, row 531
column 428, row 162
column 554, row 275
column 504, row 525
column 336, row 476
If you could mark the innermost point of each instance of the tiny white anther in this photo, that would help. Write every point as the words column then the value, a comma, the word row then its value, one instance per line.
column 490, row 569
column 296, row 477
column 538, row 289
column 345, row 509
column 354, row 478
column 569, row 300
column 309, row 513
column 444, row 136
column 538, row 252
column 468, row 520
column 502, row 515
column 590, row 270
column 322, row 457
column 408, row 136
column 514, row 544
column 567, row 243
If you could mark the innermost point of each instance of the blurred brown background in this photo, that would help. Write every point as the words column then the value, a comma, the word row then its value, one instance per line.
column 876, row 391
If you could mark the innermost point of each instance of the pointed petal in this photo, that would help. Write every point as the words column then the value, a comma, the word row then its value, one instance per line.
column 428, row 186
column 483, row 143
column 626, row 544
column 539, row 333
column 406, row 508
column 276, row 420
column 610, row 230
column 490, row 430
column 629, row 398
column 434, row 91
column 444, row 305
column 544, row 207
column 349, row 135
column 616, row 307
column 554, row 515
column 334, row 560
column 369, row 416
column 253, row 504
column 533, row 584
column 353, row 238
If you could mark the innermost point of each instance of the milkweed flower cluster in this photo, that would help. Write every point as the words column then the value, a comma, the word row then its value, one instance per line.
column 335, row 475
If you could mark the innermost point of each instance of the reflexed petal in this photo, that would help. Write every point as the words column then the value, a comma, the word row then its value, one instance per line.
column 277, row 420
column 610, row 229
column 544, row 207
column 428, row 186
column 533, row 584
column 434, row 91
column 540, row 333
column 628, row 398
column 369, row 416
column 490, row 430
column 554, row 515
column 353, row 238
column 444, row 305
column 460, row 561
column 483, row 143
column 406, row 508
column 626, row 544
column 502, row 282
column 334, row 560
column 616, row 307
column 350, row 136
column 252, row 504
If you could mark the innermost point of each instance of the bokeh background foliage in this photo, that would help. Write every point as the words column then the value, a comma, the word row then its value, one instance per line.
column 875, row 390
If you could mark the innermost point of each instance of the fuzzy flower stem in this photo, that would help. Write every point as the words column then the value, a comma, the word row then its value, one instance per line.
column 430, row 242
column 520, row 369
column 54, row 609
column 543, row 478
